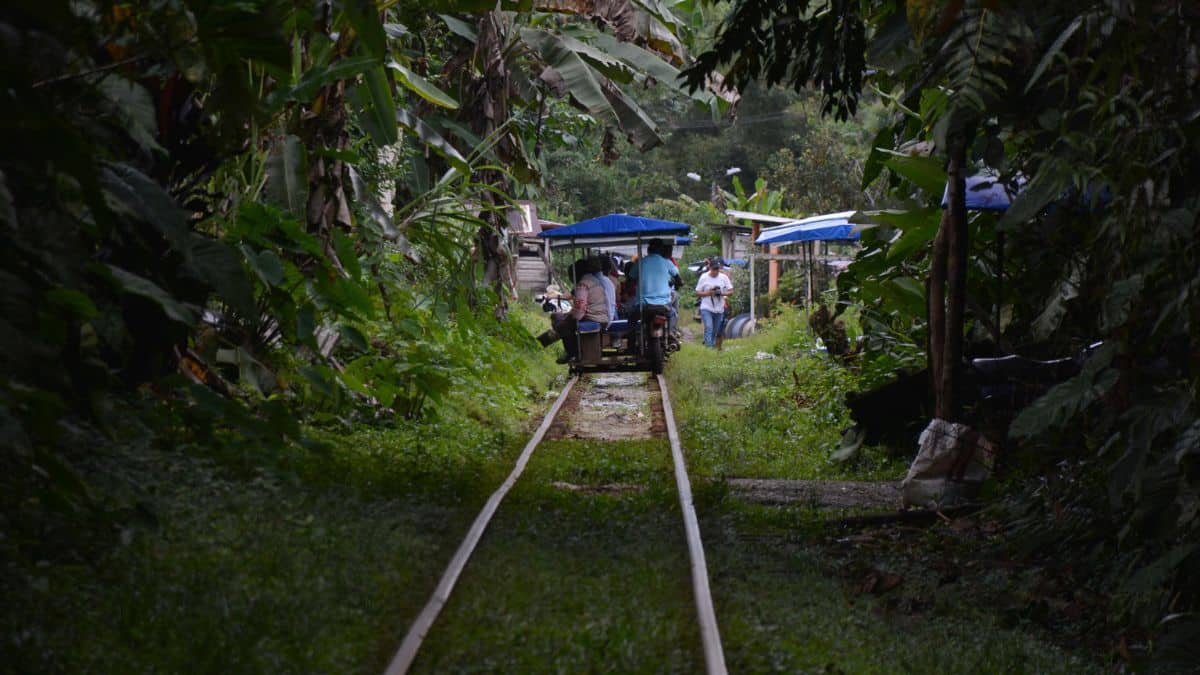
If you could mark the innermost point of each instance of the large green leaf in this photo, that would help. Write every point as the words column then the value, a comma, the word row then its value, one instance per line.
column 319, row 76
column 266, row 264
column 377, row 109
column 422, row 87
column 1120, row 300
column 918, row 227
column 924, row 172
column 221, row 267
column 643, row 60
column 71, row 302
column 137, row 285
column 132, row 106
column 1044, row 188
column 904, row 294
column 877, row 157
column 287, row 176
column 606, row 64
column 1053, row 51
column 661, row 11
column 1062, row 402
column 429, row 136
column 578, row 77
column 460, row 28
column 130, row 191
column 364, row 16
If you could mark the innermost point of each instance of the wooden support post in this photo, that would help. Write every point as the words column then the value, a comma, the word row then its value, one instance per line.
column 808, row 248
column 753, row 316
column 773, row 273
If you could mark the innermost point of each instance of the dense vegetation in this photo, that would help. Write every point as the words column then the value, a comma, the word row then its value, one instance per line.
column 1087, row 112
column 231, row 232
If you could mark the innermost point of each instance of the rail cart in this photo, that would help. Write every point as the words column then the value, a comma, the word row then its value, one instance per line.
column 640, row 341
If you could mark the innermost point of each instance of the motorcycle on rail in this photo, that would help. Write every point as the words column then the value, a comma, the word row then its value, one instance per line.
column 643, row 340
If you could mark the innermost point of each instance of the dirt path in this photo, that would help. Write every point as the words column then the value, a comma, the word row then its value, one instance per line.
column 834, row 494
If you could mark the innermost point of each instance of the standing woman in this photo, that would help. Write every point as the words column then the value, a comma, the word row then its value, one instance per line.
column 712, row 289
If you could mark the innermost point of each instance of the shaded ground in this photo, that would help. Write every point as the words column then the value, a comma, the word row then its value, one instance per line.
column 837, row 494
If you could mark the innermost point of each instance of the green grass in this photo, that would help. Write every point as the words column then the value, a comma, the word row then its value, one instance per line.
column 317, row 561
column 784, row 589
column 315, row 568
column 234, row 561
column 780, row 613
column 768, row 406
column 570, row 582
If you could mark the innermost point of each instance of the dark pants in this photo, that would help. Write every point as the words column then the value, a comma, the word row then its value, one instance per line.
column 567, row 327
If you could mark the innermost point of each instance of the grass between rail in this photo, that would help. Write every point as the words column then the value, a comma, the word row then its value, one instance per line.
column 567, row 581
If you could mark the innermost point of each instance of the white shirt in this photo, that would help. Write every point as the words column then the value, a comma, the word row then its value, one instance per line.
column 707, row 282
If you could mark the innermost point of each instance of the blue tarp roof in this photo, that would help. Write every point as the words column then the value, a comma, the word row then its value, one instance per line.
column 617, row 224
column 985, row 192
column 828, row 227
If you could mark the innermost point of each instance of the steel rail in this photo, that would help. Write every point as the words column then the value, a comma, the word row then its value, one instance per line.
column 710, row 636
column 416, row 633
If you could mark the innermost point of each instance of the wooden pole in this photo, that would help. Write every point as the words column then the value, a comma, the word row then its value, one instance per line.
column 809, row 250
column 753, row 316
column 773, row 272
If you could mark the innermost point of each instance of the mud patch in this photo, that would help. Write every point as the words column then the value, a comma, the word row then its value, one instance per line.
column 828, row 494
column 605, row 489
column 610, row 407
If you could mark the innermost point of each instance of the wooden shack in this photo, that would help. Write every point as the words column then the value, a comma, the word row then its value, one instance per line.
column 532, row 257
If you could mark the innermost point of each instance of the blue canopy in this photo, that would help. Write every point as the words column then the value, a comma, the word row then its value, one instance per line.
column 615, row 228
column 985, row 192
column 828, row 227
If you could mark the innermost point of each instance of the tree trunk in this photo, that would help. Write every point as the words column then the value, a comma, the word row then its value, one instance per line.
column 947, row 291
column 491, row 113
column 956, row 279
column 328, row 207
column 936, row 310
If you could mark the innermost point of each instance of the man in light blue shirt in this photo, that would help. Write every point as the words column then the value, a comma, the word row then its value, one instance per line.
column 653, row 274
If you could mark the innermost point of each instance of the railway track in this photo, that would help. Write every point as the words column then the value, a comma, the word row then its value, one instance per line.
column 710, row 637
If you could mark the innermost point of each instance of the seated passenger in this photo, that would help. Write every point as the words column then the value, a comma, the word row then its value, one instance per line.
column 605, row 274
column 588, row 303
column 655, row 275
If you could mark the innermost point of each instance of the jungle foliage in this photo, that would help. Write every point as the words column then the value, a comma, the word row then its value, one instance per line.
column 234, row 223
column 1088, row 113
column 229, row 224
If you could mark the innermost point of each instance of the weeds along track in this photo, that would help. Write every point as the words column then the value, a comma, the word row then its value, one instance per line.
column 607, row 413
